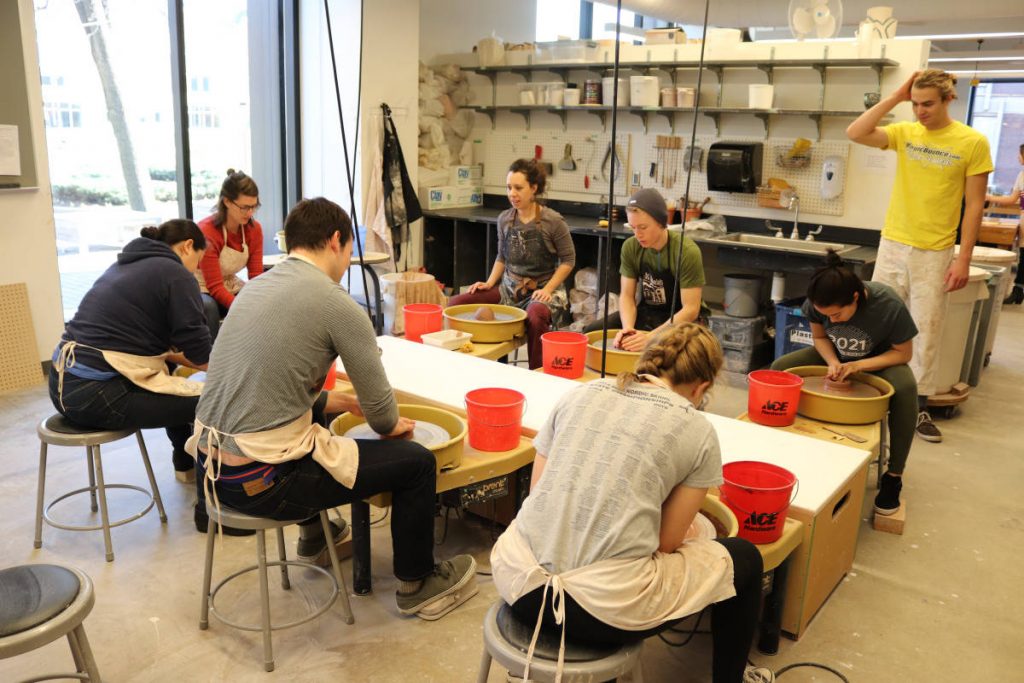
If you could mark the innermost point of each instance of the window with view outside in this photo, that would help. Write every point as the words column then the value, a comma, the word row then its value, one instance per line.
column 104, row 79
column 998, row 112
column 217, row 78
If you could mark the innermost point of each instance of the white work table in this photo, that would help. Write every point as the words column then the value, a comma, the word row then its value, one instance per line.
column 443, row 378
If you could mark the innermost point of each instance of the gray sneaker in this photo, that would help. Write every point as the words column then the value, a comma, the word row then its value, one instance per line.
column 926, row 429
column 315, row 550
column 451, row 584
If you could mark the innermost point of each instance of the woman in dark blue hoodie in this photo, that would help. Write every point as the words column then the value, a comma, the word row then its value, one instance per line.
column 110, row 367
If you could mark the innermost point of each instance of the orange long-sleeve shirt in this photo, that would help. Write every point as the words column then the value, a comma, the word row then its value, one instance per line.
column 210, row 265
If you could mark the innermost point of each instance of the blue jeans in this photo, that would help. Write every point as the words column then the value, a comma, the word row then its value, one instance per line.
column 118, row 404
column 302, row 488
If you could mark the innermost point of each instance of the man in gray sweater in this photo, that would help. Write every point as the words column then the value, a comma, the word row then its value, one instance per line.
column 262, row 413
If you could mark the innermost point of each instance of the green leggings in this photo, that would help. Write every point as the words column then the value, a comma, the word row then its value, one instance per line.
column 902, row 406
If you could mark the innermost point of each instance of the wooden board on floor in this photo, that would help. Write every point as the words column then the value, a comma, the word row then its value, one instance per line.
column 891, row 524
column 19, row 364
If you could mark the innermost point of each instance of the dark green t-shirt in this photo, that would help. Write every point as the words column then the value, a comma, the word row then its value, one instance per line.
column 880, row 321
column 635, row 260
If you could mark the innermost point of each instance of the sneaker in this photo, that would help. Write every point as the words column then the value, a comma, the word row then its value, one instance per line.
column 202, row 520
column 888, row 499
column 926, row 429
column 184, row 467
column 314, row 550
column 452, row 583
column 758, row 674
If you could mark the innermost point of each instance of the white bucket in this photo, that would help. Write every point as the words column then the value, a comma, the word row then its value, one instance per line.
column 643, row 91
column 607, row 83
column 742, row 295
column 761, row 96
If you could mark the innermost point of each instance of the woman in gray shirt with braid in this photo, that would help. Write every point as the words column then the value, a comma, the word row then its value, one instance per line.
column 535, row 256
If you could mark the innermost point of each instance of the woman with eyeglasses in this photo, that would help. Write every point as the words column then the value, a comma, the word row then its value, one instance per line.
column 234, row 241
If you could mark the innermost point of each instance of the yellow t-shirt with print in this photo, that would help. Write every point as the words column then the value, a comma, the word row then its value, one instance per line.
column 931, row 170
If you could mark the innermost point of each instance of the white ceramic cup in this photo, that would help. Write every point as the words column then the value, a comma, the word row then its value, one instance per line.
column 668, row 97
column 684, row 97
column 526, row 97
column 571, row 97
column 760, row 96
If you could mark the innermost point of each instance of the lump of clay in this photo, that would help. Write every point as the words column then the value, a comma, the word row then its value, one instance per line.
column 839, row 386
column 484, row 313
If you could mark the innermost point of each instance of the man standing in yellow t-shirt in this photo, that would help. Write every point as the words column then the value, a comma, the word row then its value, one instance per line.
column 940, row 163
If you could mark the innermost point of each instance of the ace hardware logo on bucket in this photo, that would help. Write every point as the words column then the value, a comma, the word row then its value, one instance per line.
column 761, row 521
column 562, row 363
column 774, row 407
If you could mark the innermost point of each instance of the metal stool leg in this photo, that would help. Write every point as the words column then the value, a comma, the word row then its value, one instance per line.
column 85, row 652
column 336, row 566
column 92, row 480
column 104, row 515
column 204, row 610
column 883, row 449
column 38, row 541
column 152, row 480
column 485, row 667
column 282, row 555
column 261, row 559
column 76, row 652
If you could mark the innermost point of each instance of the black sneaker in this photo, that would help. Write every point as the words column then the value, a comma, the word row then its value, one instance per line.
column 926, row 429
column 887, row 501
column 184, row 466
column 314, row 550
column 1016, row 296
column 202, row 520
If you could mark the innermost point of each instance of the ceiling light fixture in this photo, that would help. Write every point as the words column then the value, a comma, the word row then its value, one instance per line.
column 1014, row 58
column 983, row 72
column 966, row 36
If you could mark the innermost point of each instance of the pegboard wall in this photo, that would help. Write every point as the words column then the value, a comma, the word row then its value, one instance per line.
column 19, row 365
column 496, row 149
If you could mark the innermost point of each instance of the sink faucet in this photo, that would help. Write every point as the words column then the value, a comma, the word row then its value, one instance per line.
column 812, row 233
column 794, row 201
column 777, row 229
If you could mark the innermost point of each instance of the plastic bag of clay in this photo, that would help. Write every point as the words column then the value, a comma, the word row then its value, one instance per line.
column 425, row 72
column 466, row 153
column 491, row 51
column 613, row 304
column 586, row 279
column 432, row 107
column 462, row 123
column 450, row 71
column 425, row 122
column 426, row 142
column 435, row 158
column 712, row 225
column 436, row 133
column 587, row 306
column 448, row 107
column 430, row 91
column 461, row 94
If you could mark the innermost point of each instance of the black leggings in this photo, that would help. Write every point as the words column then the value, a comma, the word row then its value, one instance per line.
column 732, row 621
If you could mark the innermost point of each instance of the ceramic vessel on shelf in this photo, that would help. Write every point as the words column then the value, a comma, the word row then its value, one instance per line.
column 871, row 99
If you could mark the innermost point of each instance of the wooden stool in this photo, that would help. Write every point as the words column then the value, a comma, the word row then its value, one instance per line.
column 40, row 603
column 232, row 518
column 507, row 639
column 57, row 431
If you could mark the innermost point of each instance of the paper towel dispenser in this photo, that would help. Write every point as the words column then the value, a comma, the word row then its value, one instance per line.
column 735, row 166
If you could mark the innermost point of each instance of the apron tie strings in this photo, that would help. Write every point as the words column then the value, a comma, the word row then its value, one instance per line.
column 554, row 582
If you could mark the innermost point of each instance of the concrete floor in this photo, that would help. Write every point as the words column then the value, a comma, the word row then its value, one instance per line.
column 934, row 604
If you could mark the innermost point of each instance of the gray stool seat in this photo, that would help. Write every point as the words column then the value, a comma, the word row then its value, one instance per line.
column 507, row 639
column 57, row 430
column 229, row 517
column 40, row 603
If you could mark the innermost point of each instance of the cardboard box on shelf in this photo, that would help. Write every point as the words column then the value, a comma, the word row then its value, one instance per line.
column 661, row 36
column 451, row 196
column 467, row 176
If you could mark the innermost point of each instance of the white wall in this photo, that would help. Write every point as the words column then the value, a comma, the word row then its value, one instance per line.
column 29, row 245
column 390, row 54
column 449, row 26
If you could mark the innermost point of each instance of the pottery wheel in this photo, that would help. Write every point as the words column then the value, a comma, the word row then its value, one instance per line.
column 498, row 317
column 702, row 527
column 427, row 434
column 856, row 389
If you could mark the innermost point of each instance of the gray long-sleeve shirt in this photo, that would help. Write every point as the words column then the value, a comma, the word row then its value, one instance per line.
column 274, row 349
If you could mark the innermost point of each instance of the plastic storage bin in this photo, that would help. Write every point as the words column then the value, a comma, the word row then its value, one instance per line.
column 746, row 358
column 792, row 328
column 733, row 331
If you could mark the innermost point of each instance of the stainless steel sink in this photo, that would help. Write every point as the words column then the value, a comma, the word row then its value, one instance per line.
column 782, row 244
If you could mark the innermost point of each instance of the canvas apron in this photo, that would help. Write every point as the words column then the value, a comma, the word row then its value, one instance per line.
column 231, row 262
column 147, row 372
column 656, row 287
column 527, row 258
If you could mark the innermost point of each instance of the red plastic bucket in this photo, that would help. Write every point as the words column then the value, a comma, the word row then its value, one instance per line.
column 565, row 353
column 422, row 319
column 332, row 376
column 495, row 418
column 759, row 495
column 773, row 397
